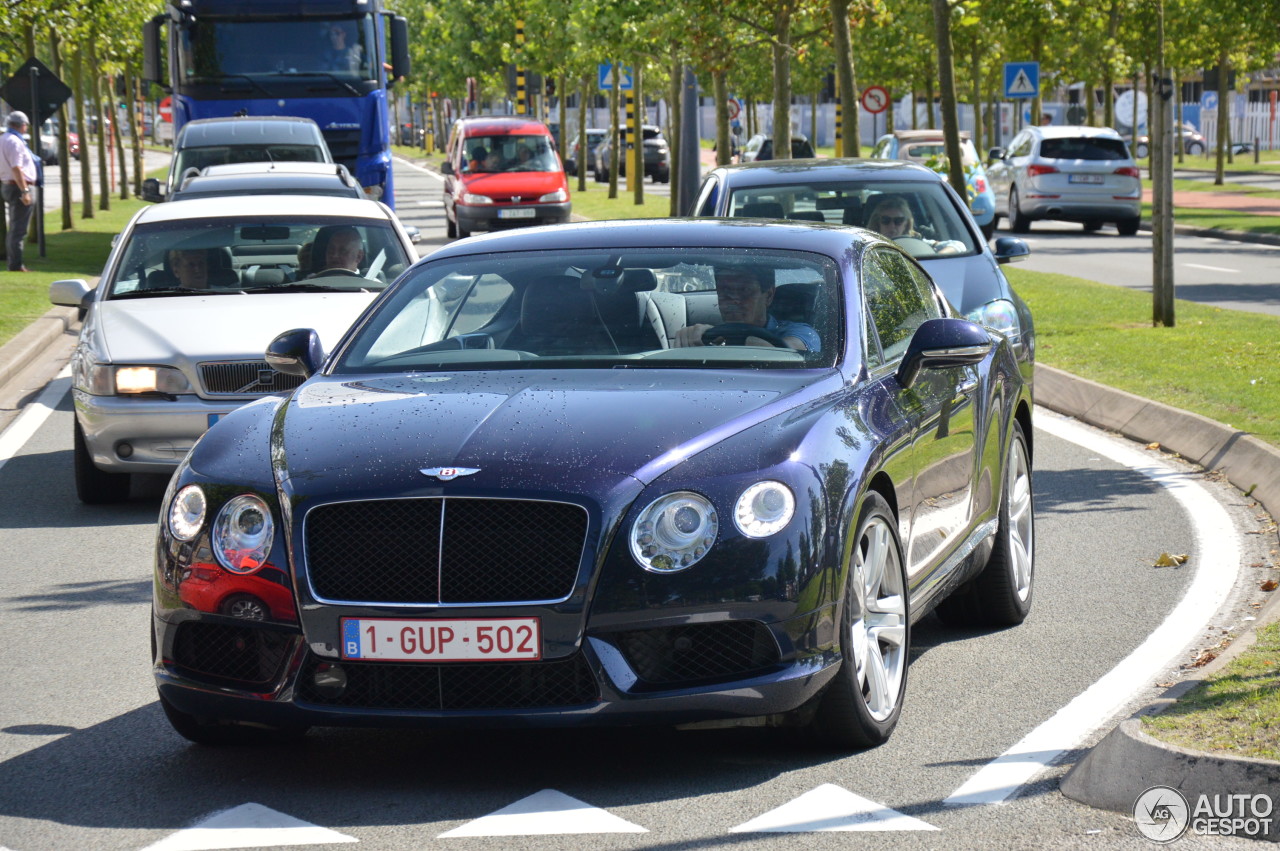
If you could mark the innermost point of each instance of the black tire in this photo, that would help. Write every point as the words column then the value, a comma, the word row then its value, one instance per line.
column 1128, row 227
column 1090, row 227
column 1140, row 151
column 989, row 229
column 1018, row 223
column 93, row 486
column 1195, row 148
column 850, row 712
column 215, row 733
column 1002, row 593
column 463, row 233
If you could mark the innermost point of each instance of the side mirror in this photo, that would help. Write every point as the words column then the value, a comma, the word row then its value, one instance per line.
column 995, row 154
column 942, row 344
column 70, row 293
column 296, row 352
column 151, row 190
column 446, row 167
column 415, row 235
column 1010, row 249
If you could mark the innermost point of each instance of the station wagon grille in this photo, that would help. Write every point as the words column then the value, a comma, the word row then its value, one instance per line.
column 245, row 378
column 444, row 550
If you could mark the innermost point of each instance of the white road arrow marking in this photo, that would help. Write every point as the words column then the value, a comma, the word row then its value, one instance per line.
column 248, row 826
column 545, row 813
column 831, row 808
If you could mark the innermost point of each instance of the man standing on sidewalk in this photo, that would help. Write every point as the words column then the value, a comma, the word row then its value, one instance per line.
column 17, row 177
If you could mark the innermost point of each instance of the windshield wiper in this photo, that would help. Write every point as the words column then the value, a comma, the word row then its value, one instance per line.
column 335, row 79
column 252, row 82
column 168, row 291
column 304, row 287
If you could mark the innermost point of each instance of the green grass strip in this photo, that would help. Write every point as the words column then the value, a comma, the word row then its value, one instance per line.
column 1223, row 364
column 1236, row 710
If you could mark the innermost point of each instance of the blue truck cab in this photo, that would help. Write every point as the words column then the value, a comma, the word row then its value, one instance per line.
column 328, row 60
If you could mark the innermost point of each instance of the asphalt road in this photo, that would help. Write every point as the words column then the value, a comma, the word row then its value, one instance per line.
column 87, row 759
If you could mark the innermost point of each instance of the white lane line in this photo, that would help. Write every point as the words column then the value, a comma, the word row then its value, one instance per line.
column 33, row 416
column 1216, row 561
column 425, row 171
column 1211, row 268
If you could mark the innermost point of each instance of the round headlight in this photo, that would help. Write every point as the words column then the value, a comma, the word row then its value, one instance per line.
column 764, row 509
column 242, row 534
column 674, row 532
column 186, row 513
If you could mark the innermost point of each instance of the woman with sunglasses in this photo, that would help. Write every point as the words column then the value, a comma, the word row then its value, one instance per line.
column 891, row 216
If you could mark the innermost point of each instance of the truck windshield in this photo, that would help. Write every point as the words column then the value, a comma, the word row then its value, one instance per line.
column 344, row 49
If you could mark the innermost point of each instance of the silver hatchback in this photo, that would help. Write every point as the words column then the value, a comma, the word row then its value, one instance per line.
column 1074, row 174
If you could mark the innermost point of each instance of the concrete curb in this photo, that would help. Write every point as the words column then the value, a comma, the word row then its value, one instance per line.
column 1233, row 235
column 31, row 342
column 1249, row 464
column 1127, row 761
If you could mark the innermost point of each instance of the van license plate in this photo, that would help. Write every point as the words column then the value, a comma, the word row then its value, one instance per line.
column 517, row 213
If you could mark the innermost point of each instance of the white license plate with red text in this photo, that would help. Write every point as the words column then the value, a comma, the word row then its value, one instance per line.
column 441, row 640
column 1085, row 178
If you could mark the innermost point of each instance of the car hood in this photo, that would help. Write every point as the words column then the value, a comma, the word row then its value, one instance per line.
column 527, row 184
column 525, row 432
column 186, row 330
column 968, row 282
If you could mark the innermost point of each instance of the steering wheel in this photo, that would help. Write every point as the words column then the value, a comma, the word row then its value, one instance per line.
column 337, row 272
column 736, row 334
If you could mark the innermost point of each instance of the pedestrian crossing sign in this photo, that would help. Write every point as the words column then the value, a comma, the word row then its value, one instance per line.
column 1021, row 79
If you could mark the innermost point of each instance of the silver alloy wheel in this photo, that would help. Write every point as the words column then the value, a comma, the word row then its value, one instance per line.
column 878, row 631
column 1021, row 526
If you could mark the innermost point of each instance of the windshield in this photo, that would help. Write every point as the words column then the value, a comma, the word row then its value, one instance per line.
column 209, row 50
column 201, row 158
column 920, row 216
column 593, row 308
column 204, row 256
column 934, row 153
column 508, row 153
column 1083, row 148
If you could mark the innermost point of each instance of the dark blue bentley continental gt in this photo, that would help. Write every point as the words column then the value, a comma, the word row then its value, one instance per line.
column 668, row 471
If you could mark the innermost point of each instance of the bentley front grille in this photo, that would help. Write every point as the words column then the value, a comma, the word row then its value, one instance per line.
column 452, row 686
column 245, row 378
column 444, row 550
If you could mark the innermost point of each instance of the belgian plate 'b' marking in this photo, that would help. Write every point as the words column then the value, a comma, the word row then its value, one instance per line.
column 445, row 474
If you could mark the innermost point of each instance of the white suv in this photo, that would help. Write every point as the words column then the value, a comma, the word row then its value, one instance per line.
column 1074, row 174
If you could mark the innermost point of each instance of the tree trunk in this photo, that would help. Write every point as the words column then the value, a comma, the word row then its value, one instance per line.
column 86, row 176
column 947, row 81
column 64, row 153
column 104, row 176
column 561, row 91
column 1224, row 131
column 582, row 132
column 782, row 83
column 850, row 143
column 724, row 147
column 976, row 72
column 635, row 168
column 675, row 118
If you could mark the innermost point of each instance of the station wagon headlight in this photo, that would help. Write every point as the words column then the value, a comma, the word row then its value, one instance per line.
column 764, row 509
column 243, row 533
column 187, row 512
column 674, row 532
column 558, row 195
column 106, row 379
column 468, row 198
column 999, row 315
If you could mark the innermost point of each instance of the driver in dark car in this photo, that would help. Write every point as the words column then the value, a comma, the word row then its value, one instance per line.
column 344, row 253
column 744, row 296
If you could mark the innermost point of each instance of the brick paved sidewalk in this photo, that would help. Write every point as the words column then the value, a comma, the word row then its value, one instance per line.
column 1223, row 201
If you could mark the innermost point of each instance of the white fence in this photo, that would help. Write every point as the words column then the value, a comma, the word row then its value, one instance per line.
column 1256, row 121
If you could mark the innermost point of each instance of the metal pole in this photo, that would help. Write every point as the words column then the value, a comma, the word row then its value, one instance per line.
column 690, row 161
column 38, row 214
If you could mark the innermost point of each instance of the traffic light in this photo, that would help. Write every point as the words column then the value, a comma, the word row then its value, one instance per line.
column 551, row 87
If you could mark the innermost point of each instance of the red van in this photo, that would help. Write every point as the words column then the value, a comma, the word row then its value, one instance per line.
column 502, row 172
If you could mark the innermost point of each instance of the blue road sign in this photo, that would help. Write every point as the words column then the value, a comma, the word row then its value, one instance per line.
column 604, row 75
column 1209, row 101
column 1021, row 79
